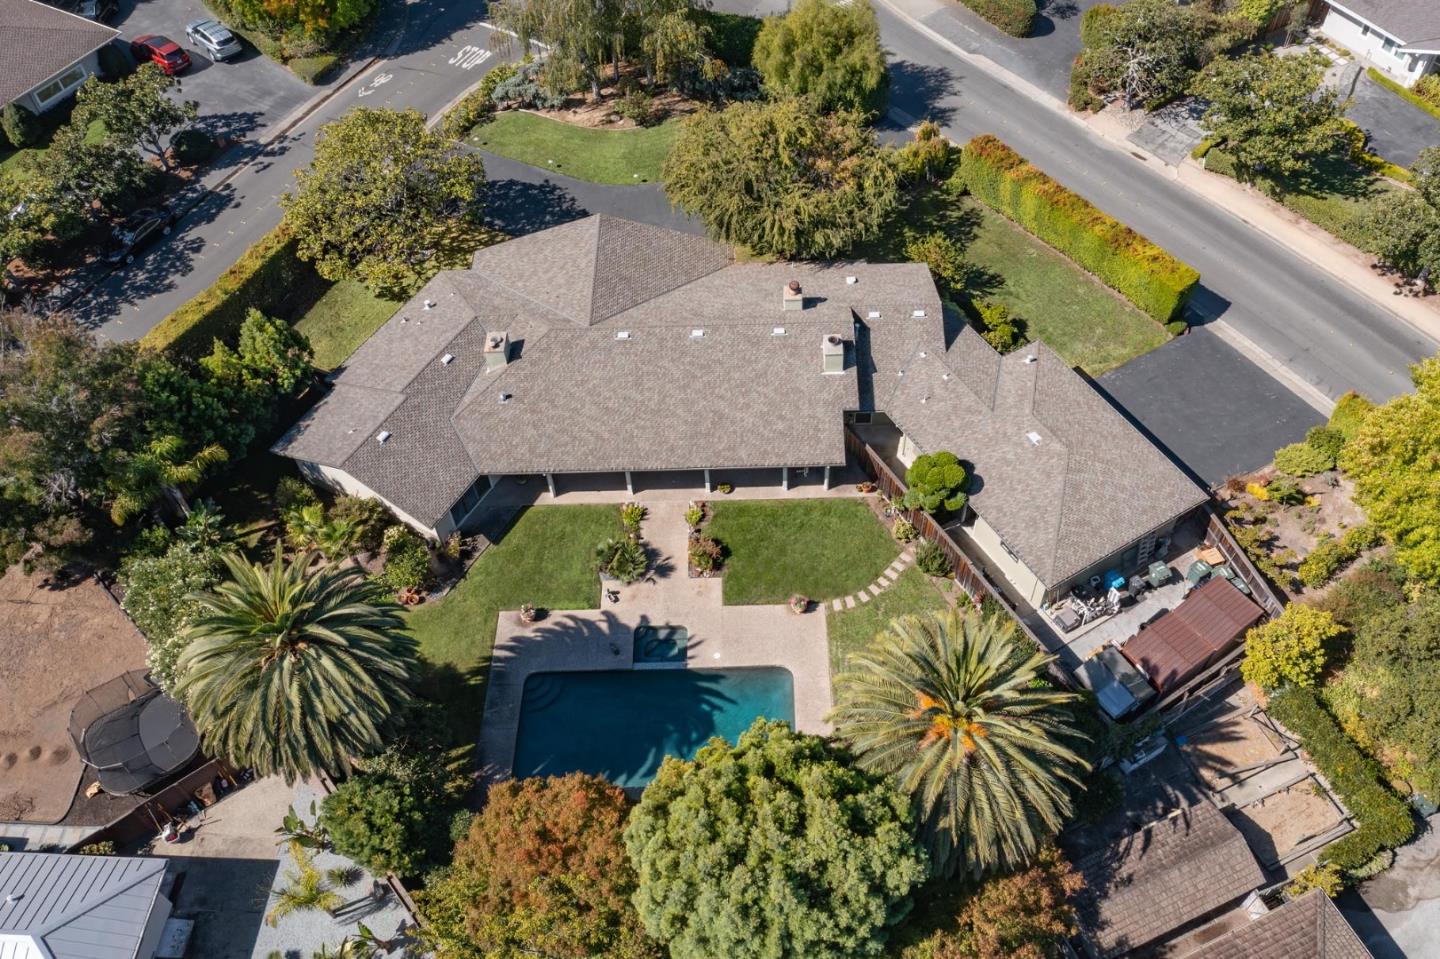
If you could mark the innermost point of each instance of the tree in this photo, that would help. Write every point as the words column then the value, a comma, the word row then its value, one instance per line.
column 781, row 178
column 294, row 672
column 944, row 257
column 950, row 706
column 827, row 51
column 936, row 483
column 1290, row 649
column 159, row 473
column 772, row 848
column 386, row 823
column 316, row 19
column 1147, row 50
column 1402, row 230
column 137, row 111
column 1394, row 460
column 580, row 37
column 379, row 197
column 541, row 872
column 160, row 599
column 669, row 36
column 79, row 170
column 1272, row 113
column 306, row 889
column 20, row 126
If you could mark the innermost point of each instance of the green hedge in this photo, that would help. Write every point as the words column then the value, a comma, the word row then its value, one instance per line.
column 1382, row 819
column 262, row 278
column 314, row 69
column 1403, row 93
column 1142, row 272
column 1013, row 16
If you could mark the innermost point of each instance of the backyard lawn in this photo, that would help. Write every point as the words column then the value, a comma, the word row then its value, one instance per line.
column 343, row 318
column 547, row 558
column 820, row 548
column 851, row 630
column 601, row 156
column 1075, row 314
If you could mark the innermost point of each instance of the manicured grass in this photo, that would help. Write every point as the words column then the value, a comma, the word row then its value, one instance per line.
column 851, row 630
column 1072, row 312
column 343, row 318
column 820, row 548
column 602, row 156
column 546, row 558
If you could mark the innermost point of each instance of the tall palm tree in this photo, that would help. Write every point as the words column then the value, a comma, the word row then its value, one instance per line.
column 949, row 705
column 291, row 672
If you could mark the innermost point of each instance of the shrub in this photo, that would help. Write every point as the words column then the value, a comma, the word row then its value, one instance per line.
column 1092, row 23
column 20, row 126
column 1290, row 649
column 292, row 492
column 1324, row 876
column 313, row 69
column 385, row 824
column 694, row 515
column 904, row 530
column 637, row 106
column 1350, row 411
column 1177, row 327
column 524, row 89
column 1015, row 17
column 114, row 64
column 264, row 278
column 706, row 554
column 1080, row 96
column 631, row 516
column 936, row 483
column 1002, row 331
column 1285, row 491
column 192, row 147
column 623, row 558
column 1302, row 459
column 931, row 560
column 944, row 257
column 928, row 158
column 732, row 37
column 1327, row 440
column 1142, row 272
column 478, row 104
column 1330, row 555
column 1425, row 94
column 1383, row 819
column 160, row 599
column 369, row 516
column 407, row 559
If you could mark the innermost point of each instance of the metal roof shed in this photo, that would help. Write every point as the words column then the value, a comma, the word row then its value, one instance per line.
column 55, row 906
column 1183, row 642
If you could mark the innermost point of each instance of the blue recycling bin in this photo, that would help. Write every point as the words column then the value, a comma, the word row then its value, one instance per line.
column 1114, row 579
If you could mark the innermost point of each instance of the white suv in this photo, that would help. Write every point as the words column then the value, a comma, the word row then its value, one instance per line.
column 212, row 37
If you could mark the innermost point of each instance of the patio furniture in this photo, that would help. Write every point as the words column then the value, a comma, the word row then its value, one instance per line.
column 1158, row 574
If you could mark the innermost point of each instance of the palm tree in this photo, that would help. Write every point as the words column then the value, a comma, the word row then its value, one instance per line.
column 158, row 473
column 291, row 672
column 950, row 706
column 304, row 890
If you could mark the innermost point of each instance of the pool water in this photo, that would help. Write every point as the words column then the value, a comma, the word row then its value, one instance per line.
column 661, row 644
column 620, row 724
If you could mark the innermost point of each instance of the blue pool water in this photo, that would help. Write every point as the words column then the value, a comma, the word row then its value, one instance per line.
column 620, row 724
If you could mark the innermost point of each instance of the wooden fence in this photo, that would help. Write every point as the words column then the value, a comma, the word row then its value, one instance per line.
column 1217, row 535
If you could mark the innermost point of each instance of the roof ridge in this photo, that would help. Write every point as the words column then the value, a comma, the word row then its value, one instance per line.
column 88, row 904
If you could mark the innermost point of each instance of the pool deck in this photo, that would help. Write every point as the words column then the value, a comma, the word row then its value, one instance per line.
column 597, row 639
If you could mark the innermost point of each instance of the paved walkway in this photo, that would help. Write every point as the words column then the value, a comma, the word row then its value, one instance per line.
column 882, row 582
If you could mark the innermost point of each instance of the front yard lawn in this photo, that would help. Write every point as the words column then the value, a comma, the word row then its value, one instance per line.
column 601, row 156
column 547, row 558
column 343, row 318
column 851, row 630
column 820, row 548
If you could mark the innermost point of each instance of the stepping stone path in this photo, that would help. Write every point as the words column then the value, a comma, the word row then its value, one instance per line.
column 883, row 582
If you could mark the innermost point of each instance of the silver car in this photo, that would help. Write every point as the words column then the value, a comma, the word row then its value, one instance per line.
column 213, row 39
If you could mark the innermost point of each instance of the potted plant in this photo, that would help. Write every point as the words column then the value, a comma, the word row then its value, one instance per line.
column 865, row 487
column 528, row 613
column 799, row 604
column 411, row 596
column 725, row 488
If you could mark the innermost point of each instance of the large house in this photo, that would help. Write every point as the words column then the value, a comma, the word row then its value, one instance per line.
column 1400, row 38
column 605, row 346
column 45, row 53
column 55, row 906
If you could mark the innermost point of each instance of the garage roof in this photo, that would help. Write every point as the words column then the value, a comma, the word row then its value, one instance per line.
column 1182, row 642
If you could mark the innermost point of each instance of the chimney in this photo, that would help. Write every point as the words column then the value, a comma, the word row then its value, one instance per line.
column 497, row 351
column 832, row 354
column 792, row 298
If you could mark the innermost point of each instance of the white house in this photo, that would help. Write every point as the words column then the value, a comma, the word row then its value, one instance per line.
column 45, row 53
column 1400, row 38
column 55, row 906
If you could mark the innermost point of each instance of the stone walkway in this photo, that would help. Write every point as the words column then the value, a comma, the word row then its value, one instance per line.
column 882, row 583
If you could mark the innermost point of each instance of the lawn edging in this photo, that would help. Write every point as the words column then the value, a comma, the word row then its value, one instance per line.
column 1154, row 280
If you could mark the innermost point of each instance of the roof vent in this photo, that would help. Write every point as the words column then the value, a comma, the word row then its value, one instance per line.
column 944, row 376
column 382, row 436
column 622, row 335
column 497, row 350
column 505, row 397
column 852, row 280
column 429, row 304
column 922, row 354
column 874, row 314
column 778, row 331
column 447, row 359
column 918, row 314
column 14, row 897
column 696, row 334
column 1031, row 358
column 832, row 354
column 1033, row 437
column 792, row 298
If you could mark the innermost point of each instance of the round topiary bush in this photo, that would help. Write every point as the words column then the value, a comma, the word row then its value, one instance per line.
column 20, row 126
column 115, row 64
column 192, row 146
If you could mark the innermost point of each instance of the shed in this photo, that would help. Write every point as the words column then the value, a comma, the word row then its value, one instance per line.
column 1182, row 643
column 55, row 906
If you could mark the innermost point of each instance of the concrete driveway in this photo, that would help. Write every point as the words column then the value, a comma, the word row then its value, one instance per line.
column 1398, row 130
column 1397, row 913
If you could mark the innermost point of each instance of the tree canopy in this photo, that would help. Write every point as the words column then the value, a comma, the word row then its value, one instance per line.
column 1290, row 648
column 936, row 483
column 781, row 178
column 1146, row 50
column 137, row 110
column 1403, row 228
column 772, row 848
column 377, row 200
column 828, row 51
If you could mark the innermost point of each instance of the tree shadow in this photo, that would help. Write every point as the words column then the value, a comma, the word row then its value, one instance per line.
column 920, row 89
column 517, row 208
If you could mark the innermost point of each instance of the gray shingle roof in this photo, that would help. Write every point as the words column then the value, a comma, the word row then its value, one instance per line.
column 1306, row 928
column 1062, row 477
column 77, row 907
column 1409, row 21
column 38, row 41
column 1164, row 876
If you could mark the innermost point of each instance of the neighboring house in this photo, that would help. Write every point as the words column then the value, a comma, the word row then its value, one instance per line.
column 1400, row 38
column 55, row 906
column 606, row 346
column 1306, row 928
column 1166, row 879
column 45, row 53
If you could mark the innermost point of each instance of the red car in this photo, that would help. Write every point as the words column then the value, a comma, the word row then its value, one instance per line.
column 161, row 51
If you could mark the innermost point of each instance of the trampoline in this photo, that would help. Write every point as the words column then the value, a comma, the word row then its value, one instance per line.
column 131, row 733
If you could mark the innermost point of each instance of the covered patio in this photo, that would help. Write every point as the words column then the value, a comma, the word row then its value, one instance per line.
column 655, row 486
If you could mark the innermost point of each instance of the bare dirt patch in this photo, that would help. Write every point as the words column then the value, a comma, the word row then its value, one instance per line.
column 1224, row 748
column 583, row 110
column 1286, row 820
column 58, row 643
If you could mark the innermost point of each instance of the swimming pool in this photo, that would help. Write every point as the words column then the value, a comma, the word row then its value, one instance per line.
column 661, row 644
column 620, row 724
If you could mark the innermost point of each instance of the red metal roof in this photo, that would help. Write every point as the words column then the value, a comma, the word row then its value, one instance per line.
column 1188, row 638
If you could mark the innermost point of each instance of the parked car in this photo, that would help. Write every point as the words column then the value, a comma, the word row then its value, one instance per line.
column 98, row 10
column 162, row 51
column 214, row 39
column 135, row 231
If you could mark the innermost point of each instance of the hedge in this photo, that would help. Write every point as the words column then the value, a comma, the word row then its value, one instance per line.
column 1142, row 272
column 1403, row 93
column 1382, row 819
column 262, row 278
column 1013, row 16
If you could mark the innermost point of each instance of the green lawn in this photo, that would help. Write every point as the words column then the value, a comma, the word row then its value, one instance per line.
column 547, row 558
column 343, row 318
column 852, row 630
column 821, row 548
column 1076, row 315
column 601, row 156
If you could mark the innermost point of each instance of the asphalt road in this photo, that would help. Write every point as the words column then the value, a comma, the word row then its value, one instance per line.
column 1325, row 333
column 443, row 50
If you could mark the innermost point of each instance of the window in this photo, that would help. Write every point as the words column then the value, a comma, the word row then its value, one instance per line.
column 60, row 86
column 467, row 503
column 1388, row 45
